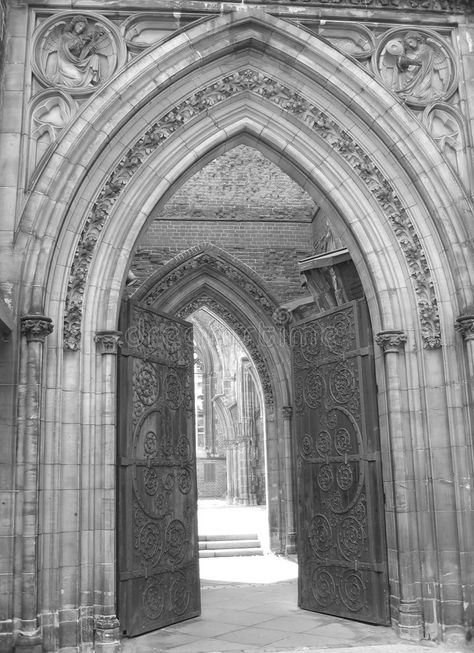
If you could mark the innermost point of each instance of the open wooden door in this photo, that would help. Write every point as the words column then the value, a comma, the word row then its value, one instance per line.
column 341, row 529
column 157, row 522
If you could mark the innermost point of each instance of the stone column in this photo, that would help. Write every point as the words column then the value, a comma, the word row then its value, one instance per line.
column 286, row 414
column 465, row 325
column 35, row 328
column 106, row 626
column 410, row 624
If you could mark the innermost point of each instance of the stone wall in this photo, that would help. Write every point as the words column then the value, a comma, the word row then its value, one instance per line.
column 3, row 12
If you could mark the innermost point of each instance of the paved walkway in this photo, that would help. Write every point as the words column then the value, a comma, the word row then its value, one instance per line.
column 250, row 604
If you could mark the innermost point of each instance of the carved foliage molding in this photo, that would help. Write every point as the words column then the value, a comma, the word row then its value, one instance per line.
column 288, row 100
column 221, row 268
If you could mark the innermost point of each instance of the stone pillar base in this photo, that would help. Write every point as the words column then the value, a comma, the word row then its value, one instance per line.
column 28, row 642
column 410, row 621
column 290, row 548
column 107, row 635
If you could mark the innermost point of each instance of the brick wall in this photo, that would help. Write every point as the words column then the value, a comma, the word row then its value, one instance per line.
column 244, row 204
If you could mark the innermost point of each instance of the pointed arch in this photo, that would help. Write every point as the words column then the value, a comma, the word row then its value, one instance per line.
column 398, row 206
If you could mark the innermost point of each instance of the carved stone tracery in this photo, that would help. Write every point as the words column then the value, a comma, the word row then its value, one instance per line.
column 317, row 120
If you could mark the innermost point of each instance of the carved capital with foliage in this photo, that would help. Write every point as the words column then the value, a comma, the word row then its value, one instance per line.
column 36, row 327
column 108, row 341
column 465, row 326
column 391, row 341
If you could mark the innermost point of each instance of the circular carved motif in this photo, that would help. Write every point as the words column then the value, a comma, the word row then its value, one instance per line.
column 323, row 443
column 323, row 587
column 351, row 538
column 150, row 479
column 183, row 449
column 153, row 599
column 77, row 52
column 314, row 389
column 342, row 441
column 146, row 385
column 352, row 591
column 360, row 510
column 342, row 383
column 417, row 65
column 320, row 534
column 150, row 443
column 344, row 476
column 179, row 594
column 306, row 446
column 184, row 481
column 173, row 391
column 150, row 541
column 168, row 481
column 176, row 541
column 325, row 478
column 338, row 335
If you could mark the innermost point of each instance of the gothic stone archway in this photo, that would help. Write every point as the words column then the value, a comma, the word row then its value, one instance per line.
column 394, row 200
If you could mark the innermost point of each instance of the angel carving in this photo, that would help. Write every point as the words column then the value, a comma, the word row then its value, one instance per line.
column 77, row 54
column 416, row 68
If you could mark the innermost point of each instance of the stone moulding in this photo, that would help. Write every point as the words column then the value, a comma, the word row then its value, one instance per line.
column 291, row 101
column 247, row 334
column 220, row 267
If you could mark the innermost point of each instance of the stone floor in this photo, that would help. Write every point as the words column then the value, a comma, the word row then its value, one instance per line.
column 250, row 604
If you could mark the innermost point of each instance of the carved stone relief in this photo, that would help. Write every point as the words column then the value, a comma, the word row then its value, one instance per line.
column 140, row 31
column 222, row 268
column 447, row 128
column 288, row 100
column 417, row 64
column 354, row 39
column 77, row 52
column 50, row 112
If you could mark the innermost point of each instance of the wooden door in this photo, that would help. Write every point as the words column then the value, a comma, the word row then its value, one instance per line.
column 341, row 530
column 157, row 522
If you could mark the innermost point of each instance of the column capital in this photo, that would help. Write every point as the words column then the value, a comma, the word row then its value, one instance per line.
column 465, row 325
column 287, row 412
column 36, row 327
column 391, row 341
column 108, row 341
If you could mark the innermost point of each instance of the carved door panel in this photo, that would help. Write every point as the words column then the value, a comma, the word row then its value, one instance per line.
column 341, row 530
column 157, row 523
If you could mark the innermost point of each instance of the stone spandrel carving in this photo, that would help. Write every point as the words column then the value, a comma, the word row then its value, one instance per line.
column 449, row 130
column 50, row 112
column 417, row 65
column 77, row 52
column 140, row 31
column 354, row 39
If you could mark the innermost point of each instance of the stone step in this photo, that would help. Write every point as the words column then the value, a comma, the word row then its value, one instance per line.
column 225, row 538
column 229, row 544
column 229, row 553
